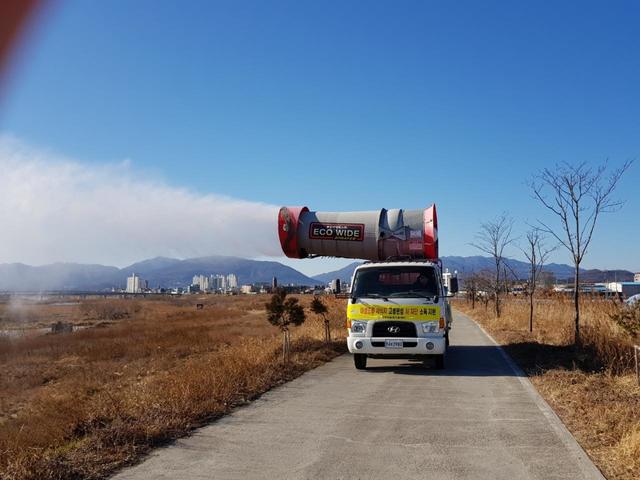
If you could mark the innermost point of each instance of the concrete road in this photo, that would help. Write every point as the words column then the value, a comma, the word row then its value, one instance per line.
column 479, row 418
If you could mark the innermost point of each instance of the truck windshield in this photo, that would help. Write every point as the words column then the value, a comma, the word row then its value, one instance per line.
column 405, row 281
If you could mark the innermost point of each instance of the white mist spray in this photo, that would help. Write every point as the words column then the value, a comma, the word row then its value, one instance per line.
column 56, row 209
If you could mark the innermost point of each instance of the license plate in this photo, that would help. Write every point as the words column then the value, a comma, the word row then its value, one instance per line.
column 393, row 344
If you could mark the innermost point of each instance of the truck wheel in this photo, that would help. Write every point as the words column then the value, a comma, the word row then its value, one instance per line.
column 439, row 362
column 360, row 361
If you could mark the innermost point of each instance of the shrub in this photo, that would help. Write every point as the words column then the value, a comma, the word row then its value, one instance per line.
column 628, row 318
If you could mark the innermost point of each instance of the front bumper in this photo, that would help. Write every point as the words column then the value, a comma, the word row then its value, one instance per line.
column 420, row 348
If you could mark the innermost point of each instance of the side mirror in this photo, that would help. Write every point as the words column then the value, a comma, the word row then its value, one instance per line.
column 453, row 284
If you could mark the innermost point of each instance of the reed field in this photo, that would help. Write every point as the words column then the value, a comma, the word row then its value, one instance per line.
column 592, row 388
column 135, row 374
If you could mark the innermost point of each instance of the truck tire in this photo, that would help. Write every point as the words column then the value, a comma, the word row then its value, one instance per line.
column 439, row 362
column 360, row 361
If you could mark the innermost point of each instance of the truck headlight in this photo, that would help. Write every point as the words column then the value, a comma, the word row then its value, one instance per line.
column 358, row 327
column 430, row 327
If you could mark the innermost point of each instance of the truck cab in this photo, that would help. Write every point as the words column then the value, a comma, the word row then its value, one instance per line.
column 399, row 309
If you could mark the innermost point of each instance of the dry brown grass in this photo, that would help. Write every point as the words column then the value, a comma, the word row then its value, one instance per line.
column 593, row 389
column 82, row 404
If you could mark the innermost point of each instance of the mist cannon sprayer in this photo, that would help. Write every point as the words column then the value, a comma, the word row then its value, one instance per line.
column 372, row 235
column 398, row 301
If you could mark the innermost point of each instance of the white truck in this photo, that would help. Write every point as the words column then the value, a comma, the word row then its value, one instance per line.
column 399, row 309
column 398, row 304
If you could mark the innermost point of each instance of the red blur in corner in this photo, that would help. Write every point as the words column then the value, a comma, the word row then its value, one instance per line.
column 13, row 17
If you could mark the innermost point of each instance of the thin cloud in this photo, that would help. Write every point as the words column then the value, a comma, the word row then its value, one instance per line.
column 58, row 209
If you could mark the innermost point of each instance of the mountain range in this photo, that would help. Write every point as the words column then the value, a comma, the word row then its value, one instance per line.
column 171, row 272
column 159, row 271
column 478, row 263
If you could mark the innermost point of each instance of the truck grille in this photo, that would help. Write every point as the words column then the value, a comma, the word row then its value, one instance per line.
column 398, row 329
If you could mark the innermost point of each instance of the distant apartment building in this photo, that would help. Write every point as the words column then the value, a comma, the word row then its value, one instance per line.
column 232, row 281
column 134, row 284
column 218, row 283
column 202, row 281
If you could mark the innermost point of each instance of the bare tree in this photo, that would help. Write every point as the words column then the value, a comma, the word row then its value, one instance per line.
column 537, row 254
column 508, row 271
column 485, row 282
column 320, row 309
column 471, row 282
column 577, row 195
column 493, row 238
column 283, row 312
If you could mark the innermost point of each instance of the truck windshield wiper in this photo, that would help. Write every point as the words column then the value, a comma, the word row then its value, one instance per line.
column 373, row 295
column 414, row 294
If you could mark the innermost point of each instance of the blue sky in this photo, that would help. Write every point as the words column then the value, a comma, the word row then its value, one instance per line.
column 344, row 105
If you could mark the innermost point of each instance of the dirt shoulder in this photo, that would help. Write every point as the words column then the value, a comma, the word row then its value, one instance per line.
column 601, row 408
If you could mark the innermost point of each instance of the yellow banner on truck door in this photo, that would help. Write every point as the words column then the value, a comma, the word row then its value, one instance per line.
column 393, row 312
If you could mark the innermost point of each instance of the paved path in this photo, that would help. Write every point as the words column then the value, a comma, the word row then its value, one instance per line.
column 477, row 419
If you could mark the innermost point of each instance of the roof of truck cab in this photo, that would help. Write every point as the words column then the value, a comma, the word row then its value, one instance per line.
column 397, row 263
